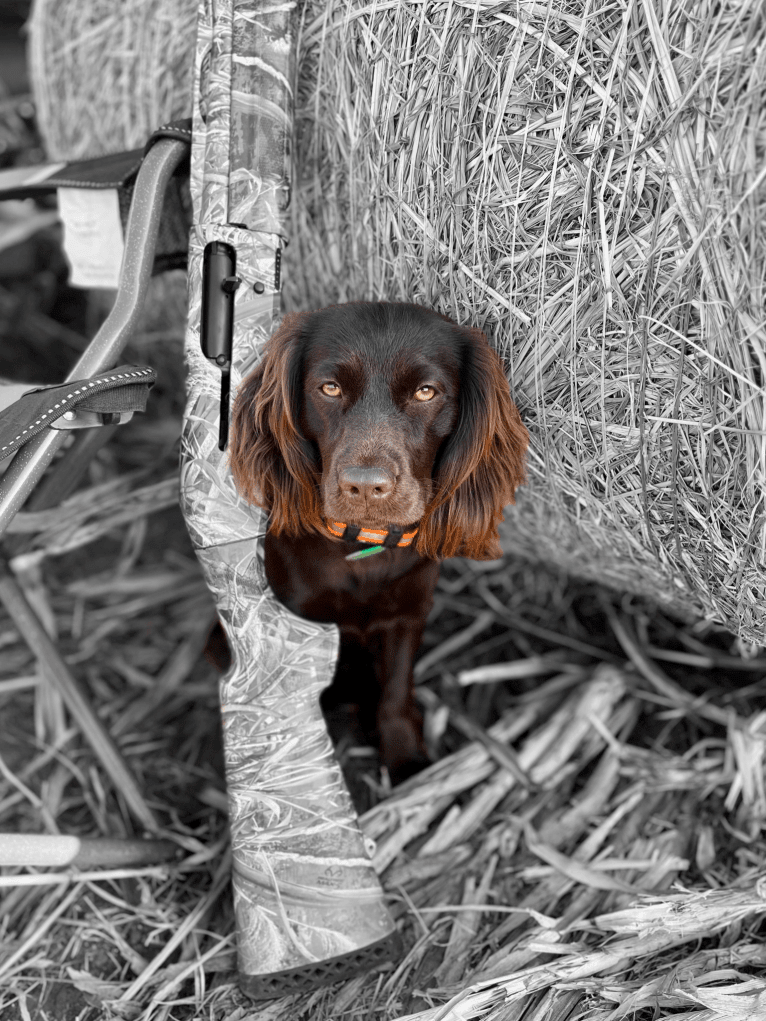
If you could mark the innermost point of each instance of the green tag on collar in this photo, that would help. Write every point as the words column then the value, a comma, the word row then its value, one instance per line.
column 364, row 553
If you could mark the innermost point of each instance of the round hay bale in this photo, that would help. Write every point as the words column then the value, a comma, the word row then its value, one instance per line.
column 106, row 73
column 587, row 186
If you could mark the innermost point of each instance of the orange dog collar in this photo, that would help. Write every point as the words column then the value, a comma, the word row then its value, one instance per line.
column 377, row 536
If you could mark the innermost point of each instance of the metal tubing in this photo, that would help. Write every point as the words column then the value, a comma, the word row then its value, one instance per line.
column 63, row 851
column 143, row 227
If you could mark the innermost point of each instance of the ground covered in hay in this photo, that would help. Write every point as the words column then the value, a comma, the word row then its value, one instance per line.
column 587, row 844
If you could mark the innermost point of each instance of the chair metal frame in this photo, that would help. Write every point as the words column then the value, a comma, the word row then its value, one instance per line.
column 30, row 463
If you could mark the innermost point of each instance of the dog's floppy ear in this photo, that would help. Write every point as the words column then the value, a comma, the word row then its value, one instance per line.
column 269, row 458
column 483, row 463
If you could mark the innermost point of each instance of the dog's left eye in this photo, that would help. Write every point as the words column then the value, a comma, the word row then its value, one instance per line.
column 330, row 389
column 425, row 393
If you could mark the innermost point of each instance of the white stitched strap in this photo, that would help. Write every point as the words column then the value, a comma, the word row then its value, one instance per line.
column 174, row 127
column 89, row 386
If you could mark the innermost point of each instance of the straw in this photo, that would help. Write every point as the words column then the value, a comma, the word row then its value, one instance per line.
column 105, row 76
column 587, row 187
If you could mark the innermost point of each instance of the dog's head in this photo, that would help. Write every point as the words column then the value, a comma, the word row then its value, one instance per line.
column 381, row 414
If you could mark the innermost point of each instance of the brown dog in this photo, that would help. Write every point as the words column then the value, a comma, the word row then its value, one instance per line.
column 385, row 421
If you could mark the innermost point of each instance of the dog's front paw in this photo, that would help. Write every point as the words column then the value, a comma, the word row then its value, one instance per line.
column 402, row 751
column 404, row 770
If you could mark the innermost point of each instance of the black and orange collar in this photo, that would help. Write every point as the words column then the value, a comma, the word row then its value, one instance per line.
column 380, row 538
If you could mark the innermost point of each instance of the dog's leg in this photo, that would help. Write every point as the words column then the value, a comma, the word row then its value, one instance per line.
column 399, row 720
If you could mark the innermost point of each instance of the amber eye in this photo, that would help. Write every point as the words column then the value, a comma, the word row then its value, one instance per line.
column 330, row 389
column 425, row 393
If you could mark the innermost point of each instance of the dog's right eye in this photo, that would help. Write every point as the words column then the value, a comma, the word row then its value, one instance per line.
column 330, row 389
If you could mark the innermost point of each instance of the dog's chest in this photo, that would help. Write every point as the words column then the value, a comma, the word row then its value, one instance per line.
column 315, row 581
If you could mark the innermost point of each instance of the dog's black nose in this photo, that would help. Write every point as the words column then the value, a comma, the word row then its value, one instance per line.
column 367, row 483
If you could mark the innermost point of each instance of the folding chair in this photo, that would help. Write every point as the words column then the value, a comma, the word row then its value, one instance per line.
column 35, row 424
